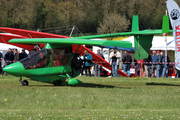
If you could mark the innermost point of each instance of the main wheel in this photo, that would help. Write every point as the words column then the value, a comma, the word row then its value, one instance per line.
column 25, row 83
column 58, row 83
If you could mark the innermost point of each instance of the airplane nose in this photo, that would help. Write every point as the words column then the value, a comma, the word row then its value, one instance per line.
column 14, row 69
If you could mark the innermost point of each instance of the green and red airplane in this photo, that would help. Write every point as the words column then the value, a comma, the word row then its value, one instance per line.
column 59, row 59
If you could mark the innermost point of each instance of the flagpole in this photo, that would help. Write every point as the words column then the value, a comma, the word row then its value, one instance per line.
column 165, row 37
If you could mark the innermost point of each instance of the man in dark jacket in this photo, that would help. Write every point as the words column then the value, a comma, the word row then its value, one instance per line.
column 147, row 66
column 9, row 57
column 22, row 55
column 126, row 66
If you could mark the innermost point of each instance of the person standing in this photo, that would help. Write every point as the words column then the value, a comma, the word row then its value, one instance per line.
column 159, row 65
column 155, row 59
column 22, row 55
column 126, row 66
column 114, row 56
column 165, row 67
column 147, row 66
column 9, row 57
column 16, row 55
column 1, row 58
column 88, row 61
column 97, row 68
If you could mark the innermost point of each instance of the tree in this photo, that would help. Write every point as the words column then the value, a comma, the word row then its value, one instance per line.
column 113, row 23
column 41, row 16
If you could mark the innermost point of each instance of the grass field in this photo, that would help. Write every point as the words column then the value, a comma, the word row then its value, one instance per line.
column 95, row 99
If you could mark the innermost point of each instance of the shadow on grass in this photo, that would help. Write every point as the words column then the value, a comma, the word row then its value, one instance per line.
column 163, row 84
column 92, row 85
column 88, row 85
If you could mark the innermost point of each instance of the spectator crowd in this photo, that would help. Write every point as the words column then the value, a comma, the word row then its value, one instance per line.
column 155, row 65
column 13, row 55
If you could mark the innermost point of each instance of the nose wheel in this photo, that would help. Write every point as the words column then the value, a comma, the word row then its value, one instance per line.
column 24, row 82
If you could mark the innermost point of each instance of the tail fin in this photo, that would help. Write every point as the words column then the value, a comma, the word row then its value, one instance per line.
column 165, row 26
column 142, row 43
column 135, row 24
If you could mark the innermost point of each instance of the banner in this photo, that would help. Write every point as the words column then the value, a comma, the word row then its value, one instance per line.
column 174, row 15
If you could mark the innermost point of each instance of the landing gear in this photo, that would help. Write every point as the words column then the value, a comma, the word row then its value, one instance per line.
column 58, row 83
column 24, row 82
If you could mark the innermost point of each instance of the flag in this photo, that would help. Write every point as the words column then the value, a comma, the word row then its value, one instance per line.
column 174, row 15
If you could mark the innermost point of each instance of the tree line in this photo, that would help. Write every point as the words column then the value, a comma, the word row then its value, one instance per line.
column 90, row 16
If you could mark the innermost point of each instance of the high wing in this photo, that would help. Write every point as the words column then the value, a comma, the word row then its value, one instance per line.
column 71, row 41
column 31, row 34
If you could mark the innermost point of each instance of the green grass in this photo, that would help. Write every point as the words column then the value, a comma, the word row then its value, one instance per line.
column 96, row 98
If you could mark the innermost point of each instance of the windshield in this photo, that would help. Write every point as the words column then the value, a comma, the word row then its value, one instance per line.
column 37, row 60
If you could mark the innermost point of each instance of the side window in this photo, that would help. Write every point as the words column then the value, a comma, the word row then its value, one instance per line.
column 61, row 57
column 57, row 56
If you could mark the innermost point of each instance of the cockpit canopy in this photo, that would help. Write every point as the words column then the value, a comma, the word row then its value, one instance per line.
column 48, row 58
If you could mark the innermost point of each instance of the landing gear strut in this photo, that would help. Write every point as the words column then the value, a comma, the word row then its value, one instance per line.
column 24, row 82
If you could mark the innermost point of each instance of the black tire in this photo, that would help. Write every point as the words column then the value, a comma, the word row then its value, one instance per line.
column 57, row 84
column 25, row 83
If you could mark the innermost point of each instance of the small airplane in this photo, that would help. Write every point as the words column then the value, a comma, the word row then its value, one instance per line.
column 58, row 61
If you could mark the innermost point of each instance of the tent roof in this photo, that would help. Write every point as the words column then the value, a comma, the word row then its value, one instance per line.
column 7, row 46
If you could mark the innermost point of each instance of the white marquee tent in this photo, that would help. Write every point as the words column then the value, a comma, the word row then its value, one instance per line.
column 4, row 47
column 158, row 42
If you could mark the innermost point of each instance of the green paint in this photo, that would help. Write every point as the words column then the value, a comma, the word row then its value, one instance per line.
column 13, row 68
column 165, row 26
column 50, row 46
column 74, row 82
column 135, row 23
column 142, row 46
column 71, row 41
